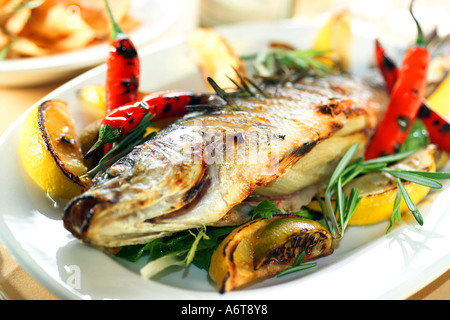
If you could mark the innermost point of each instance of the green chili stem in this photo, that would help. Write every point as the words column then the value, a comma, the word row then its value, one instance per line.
column 116, row 31
column 420, row 41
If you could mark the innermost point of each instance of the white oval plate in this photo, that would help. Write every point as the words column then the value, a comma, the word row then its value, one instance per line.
column 154, row 16
column 368, row 264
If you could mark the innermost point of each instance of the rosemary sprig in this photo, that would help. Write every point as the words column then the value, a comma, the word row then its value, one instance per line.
column 410, row 203
column 346, row 205
column 124, row 145
column 284, row 63
column 244, row 88
column 224, row 95
column 334, row 186
column 396, row 215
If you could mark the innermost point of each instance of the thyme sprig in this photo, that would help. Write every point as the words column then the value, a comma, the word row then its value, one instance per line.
column 337, row 216
column 125, row 144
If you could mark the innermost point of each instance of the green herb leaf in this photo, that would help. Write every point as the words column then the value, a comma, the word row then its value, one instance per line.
column 297, row 266
column 125, row 144
column 191, row 253
column 431, row 174
column 182, row 246
column 348, row 156
column 305, row 213
column 278, row 63
column 417, row 138
column 396, row 211
column 351, row 204
column 335, row 186
column 411, row 205
column 131, row 253
column 265, row 209
column 414, row 177
column 207, row 246
column 391, row 158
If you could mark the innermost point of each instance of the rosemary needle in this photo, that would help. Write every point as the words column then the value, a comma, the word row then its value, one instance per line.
column 133, row 138
column 297, row 268
column 297, row 265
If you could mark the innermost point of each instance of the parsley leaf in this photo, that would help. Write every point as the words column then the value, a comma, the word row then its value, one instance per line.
column 265, row 209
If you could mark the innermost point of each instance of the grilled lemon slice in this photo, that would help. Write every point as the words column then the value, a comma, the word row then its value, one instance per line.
column 215, row 57
column 335, row 34
column 284, row 239
column 378, row 190
column 264, row 247
column 50, row 150
column 438, row 100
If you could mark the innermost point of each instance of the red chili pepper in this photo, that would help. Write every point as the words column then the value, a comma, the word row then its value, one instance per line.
column 161, row 105
column 438, row 128
column 387, row 67
column 407, row 95
column 122, row 76
column 123, row 69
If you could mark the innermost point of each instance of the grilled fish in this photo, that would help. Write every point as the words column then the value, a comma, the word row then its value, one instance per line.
column 207, row 167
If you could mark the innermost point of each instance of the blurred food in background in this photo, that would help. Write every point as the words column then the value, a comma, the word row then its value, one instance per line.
column 217, row 12
column 388, row 20
column 32, row 28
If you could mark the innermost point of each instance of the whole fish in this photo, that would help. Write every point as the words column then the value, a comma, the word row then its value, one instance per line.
column 212, row 166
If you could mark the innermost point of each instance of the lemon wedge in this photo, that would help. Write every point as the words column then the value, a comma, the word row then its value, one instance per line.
column 215, row 57
column 264, row 247
column 94, row 96
column 439, row 99
column 335, row 34
column 93, row 99
column 378, row 190
column 50, row 150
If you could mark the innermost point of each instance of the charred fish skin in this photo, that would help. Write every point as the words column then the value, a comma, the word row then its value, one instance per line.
column 194, row 172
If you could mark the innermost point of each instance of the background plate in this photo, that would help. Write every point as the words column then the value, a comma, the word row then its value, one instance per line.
column 154, row 16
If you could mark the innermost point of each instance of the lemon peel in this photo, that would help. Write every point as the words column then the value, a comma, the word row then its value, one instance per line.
column 49, row 150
